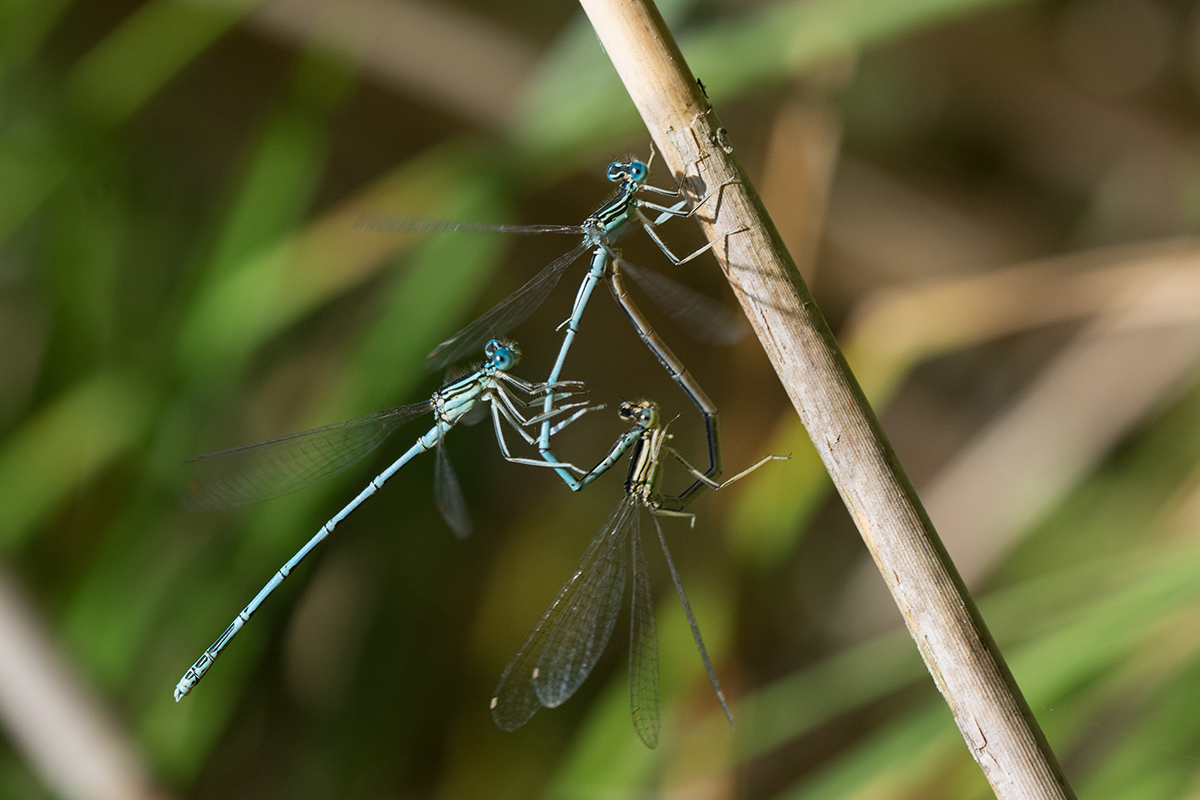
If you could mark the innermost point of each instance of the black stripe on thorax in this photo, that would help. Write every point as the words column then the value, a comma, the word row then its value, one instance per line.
column 471, row 384
column 614, row 209
column 640, row 465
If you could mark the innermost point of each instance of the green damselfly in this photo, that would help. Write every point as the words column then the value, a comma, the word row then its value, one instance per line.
column 563, row 647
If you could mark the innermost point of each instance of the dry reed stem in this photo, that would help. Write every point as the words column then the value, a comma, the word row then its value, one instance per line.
column 960, row 653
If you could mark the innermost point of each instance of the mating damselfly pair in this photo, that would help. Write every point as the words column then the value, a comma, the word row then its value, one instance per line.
column 564, row 645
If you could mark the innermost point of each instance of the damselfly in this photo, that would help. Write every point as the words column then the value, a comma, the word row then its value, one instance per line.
column 563, row 647
column 600, row 232
column 256, row 472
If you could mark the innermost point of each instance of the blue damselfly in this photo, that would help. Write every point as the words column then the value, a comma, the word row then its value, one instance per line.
column 268, row 469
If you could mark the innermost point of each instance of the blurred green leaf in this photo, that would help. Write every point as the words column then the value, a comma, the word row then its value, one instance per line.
column 118, row 77
column 578, row 103
column 65, row 444
column 153, row 45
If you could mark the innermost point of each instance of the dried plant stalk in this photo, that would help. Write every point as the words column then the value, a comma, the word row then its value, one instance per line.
column 959, row 651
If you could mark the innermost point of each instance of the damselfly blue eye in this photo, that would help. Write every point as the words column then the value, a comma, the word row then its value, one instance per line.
column 501, row 355
column 504, row 359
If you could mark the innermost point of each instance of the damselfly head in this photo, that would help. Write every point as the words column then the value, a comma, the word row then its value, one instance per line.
column 644, row 413
column 632, row 170
column 502, row 355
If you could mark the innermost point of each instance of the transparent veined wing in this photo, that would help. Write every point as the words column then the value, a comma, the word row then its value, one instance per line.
column 705, row 319
column 254, row 472
column 505, row 315
column 415, row 225
column 643, row 647
column 579, row 626
column 560, row 651
column 691, row 619
column 448, row 494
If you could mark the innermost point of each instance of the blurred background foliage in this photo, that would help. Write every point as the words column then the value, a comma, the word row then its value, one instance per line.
column 993, row 202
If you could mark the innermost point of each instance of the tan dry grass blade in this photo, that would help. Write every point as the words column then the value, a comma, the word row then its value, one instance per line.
column 61, row 728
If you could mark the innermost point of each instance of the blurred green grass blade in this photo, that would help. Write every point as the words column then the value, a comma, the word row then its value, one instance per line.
column 895, row 762
column 1155, row 757
column 769, row 514
column 1049, row 670
column 32, row 163
column 109, row 627
column 789, row 708
column 287, row 163
column 87, row 233
column 255, row 255
column 576, row 72
column 1111, row 510
column 1115, row 509
column 574, row 105
column 149, row 48
column 237, row 312
column 24, row 25
column 1066, row 628
column 1087, row 618
column 274, row 194
column 786, row 38
column 209, row 590
column 1094, row 637
column 434, row 296
column 570, row 112
column 107, row 86
column 121, row 599
column 607, row 758
column 799, row 704
column 63, row 446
